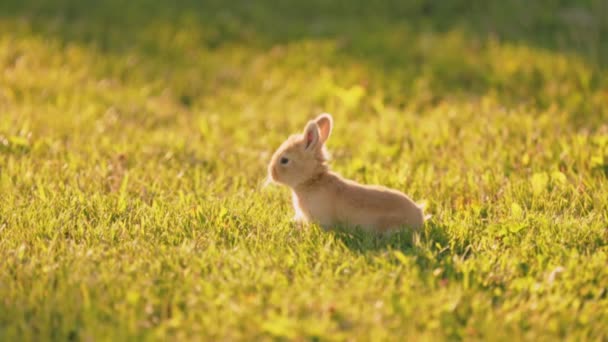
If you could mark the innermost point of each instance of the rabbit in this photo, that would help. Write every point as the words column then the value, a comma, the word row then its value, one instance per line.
column 325, row 198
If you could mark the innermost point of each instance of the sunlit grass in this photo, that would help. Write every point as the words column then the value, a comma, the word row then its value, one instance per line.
column 134, row 140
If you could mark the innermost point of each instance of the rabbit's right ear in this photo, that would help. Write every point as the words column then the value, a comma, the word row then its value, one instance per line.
column 311, row 135
column 325, row 123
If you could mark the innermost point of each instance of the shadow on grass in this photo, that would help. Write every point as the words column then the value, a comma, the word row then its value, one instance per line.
column 428, row 249
column 405, row 241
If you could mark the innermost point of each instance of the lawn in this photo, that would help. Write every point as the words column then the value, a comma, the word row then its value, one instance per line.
column 134, row 139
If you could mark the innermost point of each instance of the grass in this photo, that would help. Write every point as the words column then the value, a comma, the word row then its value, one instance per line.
column 134, row 140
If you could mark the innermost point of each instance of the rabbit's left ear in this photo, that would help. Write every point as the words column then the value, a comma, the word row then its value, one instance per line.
column 325, row 123
column 311, row 135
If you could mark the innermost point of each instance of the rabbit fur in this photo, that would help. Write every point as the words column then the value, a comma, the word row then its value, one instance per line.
column 323, row 197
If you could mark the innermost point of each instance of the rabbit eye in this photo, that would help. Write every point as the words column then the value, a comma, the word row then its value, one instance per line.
column 284, row 161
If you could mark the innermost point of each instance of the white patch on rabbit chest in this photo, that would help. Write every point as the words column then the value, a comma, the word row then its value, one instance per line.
column 299, row 215
column 313, row 207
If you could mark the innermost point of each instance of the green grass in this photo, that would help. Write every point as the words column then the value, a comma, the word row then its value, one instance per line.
column 134, row 140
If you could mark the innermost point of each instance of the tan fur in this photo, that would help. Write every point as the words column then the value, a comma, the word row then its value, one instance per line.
column 325, row 198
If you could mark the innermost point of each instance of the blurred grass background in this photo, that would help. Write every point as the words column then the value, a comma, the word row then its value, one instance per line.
column 134, row 138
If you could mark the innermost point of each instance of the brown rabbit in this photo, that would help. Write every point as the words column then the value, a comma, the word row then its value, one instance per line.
column 325, row 198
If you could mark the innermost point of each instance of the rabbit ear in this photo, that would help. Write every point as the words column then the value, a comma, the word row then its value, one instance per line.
column 311, row 135
column 325, row 123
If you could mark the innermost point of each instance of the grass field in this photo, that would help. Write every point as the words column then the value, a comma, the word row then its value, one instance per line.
column 134, row 138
